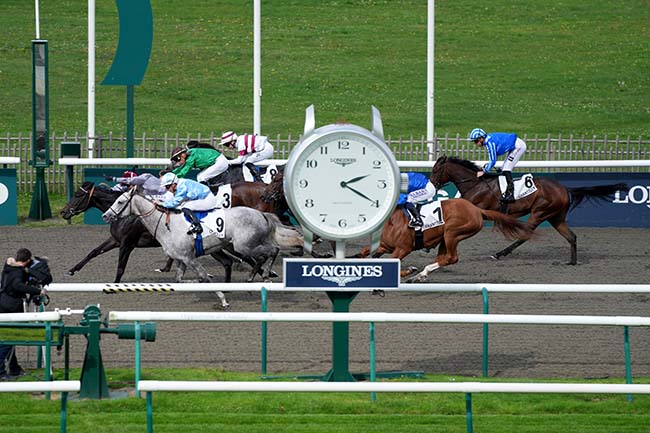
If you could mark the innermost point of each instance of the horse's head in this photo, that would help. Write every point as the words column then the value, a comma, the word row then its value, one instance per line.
column 438, row 175
column 80, row 201
column 121, row 207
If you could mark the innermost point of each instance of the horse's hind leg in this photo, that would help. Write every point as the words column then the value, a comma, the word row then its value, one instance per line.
column 533, row 222
column 563, row 228
column 510, row 248
column 269, row 265
column 226, row 261
column 180, row 270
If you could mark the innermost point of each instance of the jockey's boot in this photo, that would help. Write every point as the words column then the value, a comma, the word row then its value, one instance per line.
column 256, row 175
column 509, row 195
column 196, row 224
column 415, row 221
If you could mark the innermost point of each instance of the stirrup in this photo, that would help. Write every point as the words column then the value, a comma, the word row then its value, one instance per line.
column 509, row 198
column 195, row 229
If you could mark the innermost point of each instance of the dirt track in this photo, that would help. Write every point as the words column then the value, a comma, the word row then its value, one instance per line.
column 616, row 256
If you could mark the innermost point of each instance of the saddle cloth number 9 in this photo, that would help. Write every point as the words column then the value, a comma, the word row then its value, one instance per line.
column 214, row 224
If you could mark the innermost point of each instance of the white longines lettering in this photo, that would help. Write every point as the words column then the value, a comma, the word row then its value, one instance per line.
column 638, row 194
column 342, row 271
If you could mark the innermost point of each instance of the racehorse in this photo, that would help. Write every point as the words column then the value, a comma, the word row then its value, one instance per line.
column 260, row 196
column 126, row 233
column 551, row 202
column 462, row 220
column 247, row 232
column 267, row 198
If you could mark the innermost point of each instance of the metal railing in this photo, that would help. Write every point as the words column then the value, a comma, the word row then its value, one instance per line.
column 408, row 148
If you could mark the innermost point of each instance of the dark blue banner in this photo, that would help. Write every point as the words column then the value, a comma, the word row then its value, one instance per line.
column 625, row 209
column 349, row 274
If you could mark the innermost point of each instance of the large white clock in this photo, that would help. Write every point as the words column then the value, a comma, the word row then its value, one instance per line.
column 342, row 181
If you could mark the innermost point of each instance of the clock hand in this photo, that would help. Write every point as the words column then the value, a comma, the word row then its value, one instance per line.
column 345, row 185
column 356, row 179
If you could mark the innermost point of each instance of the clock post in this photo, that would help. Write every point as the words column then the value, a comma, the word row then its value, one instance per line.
column 342, row 182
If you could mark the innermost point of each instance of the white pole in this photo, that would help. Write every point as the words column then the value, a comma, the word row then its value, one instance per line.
column 430, row 63
column 38, row 20
column 91, row 77
column 257, row 87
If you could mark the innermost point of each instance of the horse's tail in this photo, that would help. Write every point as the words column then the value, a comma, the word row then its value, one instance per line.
column 508, row 225
column 285, row 237
column 598, row 192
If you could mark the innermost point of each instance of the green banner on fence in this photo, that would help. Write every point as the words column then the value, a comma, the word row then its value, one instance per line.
column 8, row 197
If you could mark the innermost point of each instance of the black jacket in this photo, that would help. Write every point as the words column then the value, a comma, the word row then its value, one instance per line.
column 15, row 287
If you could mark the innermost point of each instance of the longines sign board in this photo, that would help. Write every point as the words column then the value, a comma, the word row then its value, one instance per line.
column 343, row 274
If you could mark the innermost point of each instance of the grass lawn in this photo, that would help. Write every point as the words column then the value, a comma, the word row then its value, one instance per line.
column 326, row 412
column 561, row 66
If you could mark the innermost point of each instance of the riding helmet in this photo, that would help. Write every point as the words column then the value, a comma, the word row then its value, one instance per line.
column 168, row 179
column 228, row 137
column 476, row 134
column 176, row 152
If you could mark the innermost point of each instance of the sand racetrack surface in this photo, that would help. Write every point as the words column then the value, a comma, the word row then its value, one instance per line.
column 605, row 256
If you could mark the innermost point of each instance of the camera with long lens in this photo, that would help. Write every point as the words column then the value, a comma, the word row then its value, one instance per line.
column 40, row 275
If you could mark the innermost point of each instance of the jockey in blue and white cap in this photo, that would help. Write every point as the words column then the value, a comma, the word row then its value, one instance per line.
column 189, row 195
column 496, row 144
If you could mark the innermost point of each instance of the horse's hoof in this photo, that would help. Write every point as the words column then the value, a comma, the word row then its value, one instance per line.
column 159, row 270
column 379, row 293
column 69, row 273
column 494, row 257
column 273, row 274
column 226, row 307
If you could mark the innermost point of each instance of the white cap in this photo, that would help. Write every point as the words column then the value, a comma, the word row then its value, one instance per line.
column 168, row 179
column 227, row 137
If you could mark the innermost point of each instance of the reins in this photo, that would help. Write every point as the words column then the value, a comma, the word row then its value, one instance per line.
column 89, row 194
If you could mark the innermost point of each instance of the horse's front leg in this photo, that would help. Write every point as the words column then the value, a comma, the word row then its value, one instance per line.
column 107, row 245
column 125, row 253
column 400, row 253
column 204, row 277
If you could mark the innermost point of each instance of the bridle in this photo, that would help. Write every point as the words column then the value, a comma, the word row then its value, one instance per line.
column 154, row 208
column 74, row 211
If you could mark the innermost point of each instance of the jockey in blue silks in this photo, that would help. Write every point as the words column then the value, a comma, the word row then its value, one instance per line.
column 189, row 196
column 499, row 143
column 420, row 191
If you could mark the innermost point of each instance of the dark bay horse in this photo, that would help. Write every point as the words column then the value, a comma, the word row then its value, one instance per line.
column 462, row 220
column 551, row 202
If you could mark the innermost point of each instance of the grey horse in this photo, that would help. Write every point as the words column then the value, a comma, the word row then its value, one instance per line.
column 247, row 232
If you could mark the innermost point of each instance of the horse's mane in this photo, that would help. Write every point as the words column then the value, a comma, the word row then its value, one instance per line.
column 468, row 165
column 274, row 190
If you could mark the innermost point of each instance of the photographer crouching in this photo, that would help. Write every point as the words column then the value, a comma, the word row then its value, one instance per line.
column 23, row 281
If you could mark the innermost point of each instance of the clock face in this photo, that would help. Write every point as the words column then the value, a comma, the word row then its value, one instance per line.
column 343, row 184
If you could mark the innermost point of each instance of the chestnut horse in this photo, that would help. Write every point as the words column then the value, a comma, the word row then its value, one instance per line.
column 260, row 196
column 551, row 202
column 462, row 220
